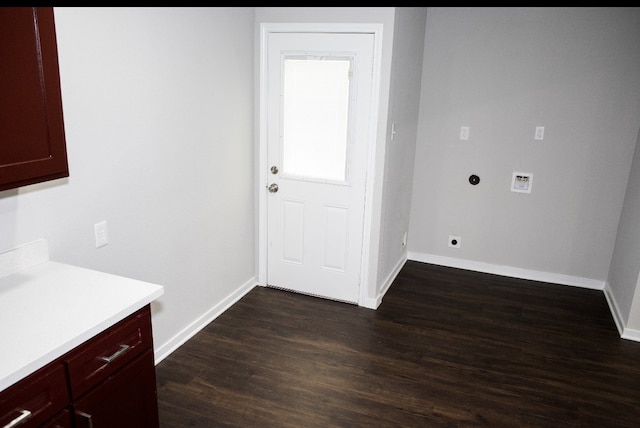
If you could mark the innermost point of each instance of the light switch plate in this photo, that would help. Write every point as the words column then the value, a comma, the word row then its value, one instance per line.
column 464, row 133
column 102, row 238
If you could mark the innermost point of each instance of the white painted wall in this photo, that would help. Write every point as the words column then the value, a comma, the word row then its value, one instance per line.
column 504, row 71
column 158, row 106
column 404, row 103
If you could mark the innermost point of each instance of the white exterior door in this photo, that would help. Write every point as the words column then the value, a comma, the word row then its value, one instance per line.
column 318, row 120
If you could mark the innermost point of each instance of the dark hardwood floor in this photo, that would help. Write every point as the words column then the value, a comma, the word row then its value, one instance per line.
column 446, row 348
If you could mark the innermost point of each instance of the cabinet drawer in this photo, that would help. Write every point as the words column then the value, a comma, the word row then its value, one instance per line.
column 35, row 399
column 107, row 352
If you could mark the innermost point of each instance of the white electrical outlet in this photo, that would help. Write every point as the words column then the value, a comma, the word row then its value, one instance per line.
column 521, row 182
column 102, row 238
column 455, row 241
column 464, row 133
column 539, row 133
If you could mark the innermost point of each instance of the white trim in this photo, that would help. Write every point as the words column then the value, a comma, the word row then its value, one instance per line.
column 371, row 233
column 613, row 308
column 369, row 303
column 164, row 350
column 625, row 333
column 514, row 272
column 373, row 304
column 376, row 30
column 631, row 334
column 576, row 281
column 319, row 27
column 262, row 183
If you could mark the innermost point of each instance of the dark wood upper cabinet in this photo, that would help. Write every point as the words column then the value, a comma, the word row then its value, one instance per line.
column 32, row 138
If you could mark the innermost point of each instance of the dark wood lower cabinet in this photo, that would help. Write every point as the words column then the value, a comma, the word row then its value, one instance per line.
column 36, row 399
column 107, row 382
column 63, row 420
column 125, row 400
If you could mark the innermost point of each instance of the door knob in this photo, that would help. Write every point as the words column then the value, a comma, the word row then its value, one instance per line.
column 273, row 187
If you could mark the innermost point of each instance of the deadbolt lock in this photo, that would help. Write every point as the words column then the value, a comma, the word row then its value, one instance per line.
column 274, row 169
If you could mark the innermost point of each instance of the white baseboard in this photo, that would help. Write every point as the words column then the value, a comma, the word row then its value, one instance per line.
column 391, row 277
column 188, row 332
column 631, row 334
column 369, row 303
column 201, row 322
column 613, row 308
column 373, row 303
column 513, row 272
column 625, row 333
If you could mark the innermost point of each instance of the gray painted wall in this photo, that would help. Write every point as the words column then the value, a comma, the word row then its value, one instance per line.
column 404, row 104
column 504, row 71
column 625, row 264
column 161, row 108
column 632, row 327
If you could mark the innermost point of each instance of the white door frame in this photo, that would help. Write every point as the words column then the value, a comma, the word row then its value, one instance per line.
column 262, row 183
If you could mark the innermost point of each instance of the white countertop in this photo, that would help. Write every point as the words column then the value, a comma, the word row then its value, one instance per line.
column 48, row 308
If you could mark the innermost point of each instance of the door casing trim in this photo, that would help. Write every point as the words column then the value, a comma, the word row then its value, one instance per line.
column 261, row 158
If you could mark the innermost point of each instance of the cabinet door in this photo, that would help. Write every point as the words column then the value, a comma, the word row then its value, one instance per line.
column 63, row 420
column 32, row 140
column 35, row 399
column 127, row 399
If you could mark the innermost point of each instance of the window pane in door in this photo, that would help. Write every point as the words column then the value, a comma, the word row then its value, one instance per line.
column 315, row 107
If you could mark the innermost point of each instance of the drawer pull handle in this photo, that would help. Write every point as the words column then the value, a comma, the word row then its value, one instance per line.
column 87, row 417
column 19, row 420
column 119, row 352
